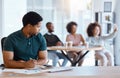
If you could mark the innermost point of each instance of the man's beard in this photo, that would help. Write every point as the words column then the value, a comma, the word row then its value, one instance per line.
column 51, row 31
column 33, row 34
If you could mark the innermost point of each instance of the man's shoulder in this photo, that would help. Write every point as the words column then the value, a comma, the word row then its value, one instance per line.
column 40, row 36
column 14, row 34
column 12, row 38
column 46, row 34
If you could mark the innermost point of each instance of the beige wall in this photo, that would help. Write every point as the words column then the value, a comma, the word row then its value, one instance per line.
column 1, row 14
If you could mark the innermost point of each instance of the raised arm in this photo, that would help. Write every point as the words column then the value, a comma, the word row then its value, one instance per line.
column 112, row 35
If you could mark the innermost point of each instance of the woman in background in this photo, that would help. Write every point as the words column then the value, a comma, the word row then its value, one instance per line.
column 77, row 40
column 95, row 39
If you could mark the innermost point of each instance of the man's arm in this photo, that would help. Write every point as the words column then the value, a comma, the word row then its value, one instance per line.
column 59, row 42
column 10, row 63
column 42, row 57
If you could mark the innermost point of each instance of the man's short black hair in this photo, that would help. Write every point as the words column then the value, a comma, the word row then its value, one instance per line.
column 31, row 18
column 48, row 23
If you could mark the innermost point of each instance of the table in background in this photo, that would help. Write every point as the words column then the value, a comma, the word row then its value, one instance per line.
column 74, row 48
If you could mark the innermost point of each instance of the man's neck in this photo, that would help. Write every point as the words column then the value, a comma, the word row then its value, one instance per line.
column 49, row 32
column 26, row 33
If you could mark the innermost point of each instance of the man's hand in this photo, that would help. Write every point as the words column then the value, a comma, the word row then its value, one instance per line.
column 59, row 43
column 115, row 28
column 30, row 64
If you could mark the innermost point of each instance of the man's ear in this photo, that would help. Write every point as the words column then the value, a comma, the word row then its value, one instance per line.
column 29, row 25
column 47, row 27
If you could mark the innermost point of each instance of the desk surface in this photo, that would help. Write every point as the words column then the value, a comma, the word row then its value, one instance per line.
column 74, row 48
column 77, row 72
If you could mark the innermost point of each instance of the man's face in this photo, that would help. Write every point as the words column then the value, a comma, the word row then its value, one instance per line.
column 34, row 30
column 50, row 28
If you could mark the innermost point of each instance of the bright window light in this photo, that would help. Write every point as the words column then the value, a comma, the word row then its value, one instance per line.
column 80, row 4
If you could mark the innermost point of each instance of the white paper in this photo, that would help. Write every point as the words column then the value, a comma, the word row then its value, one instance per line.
column 37, row 70
column 60, row 69
column 24, row 71
column 29, row 71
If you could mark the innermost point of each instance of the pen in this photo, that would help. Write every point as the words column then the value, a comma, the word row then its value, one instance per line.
column 3, row 68
column 59, row 70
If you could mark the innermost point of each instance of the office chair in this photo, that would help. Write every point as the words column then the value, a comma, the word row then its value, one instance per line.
column 2, row 44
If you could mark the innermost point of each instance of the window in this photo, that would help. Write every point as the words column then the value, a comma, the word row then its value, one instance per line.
column 60, row 12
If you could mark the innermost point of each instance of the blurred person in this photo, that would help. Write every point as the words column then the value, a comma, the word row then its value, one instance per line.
column 77, row 40
column 53, row 40
column 95, row 39
column 26, row 48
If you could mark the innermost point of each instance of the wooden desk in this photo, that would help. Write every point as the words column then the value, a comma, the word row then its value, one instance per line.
column 77, row 72
column 77, row 49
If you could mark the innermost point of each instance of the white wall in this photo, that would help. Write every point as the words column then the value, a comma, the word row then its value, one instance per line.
column 98, row 5
column 117, row 39
column 12, row 13
column 1, row 16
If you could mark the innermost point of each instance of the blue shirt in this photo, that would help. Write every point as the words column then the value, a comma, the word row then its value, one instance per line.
column 24, row 48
